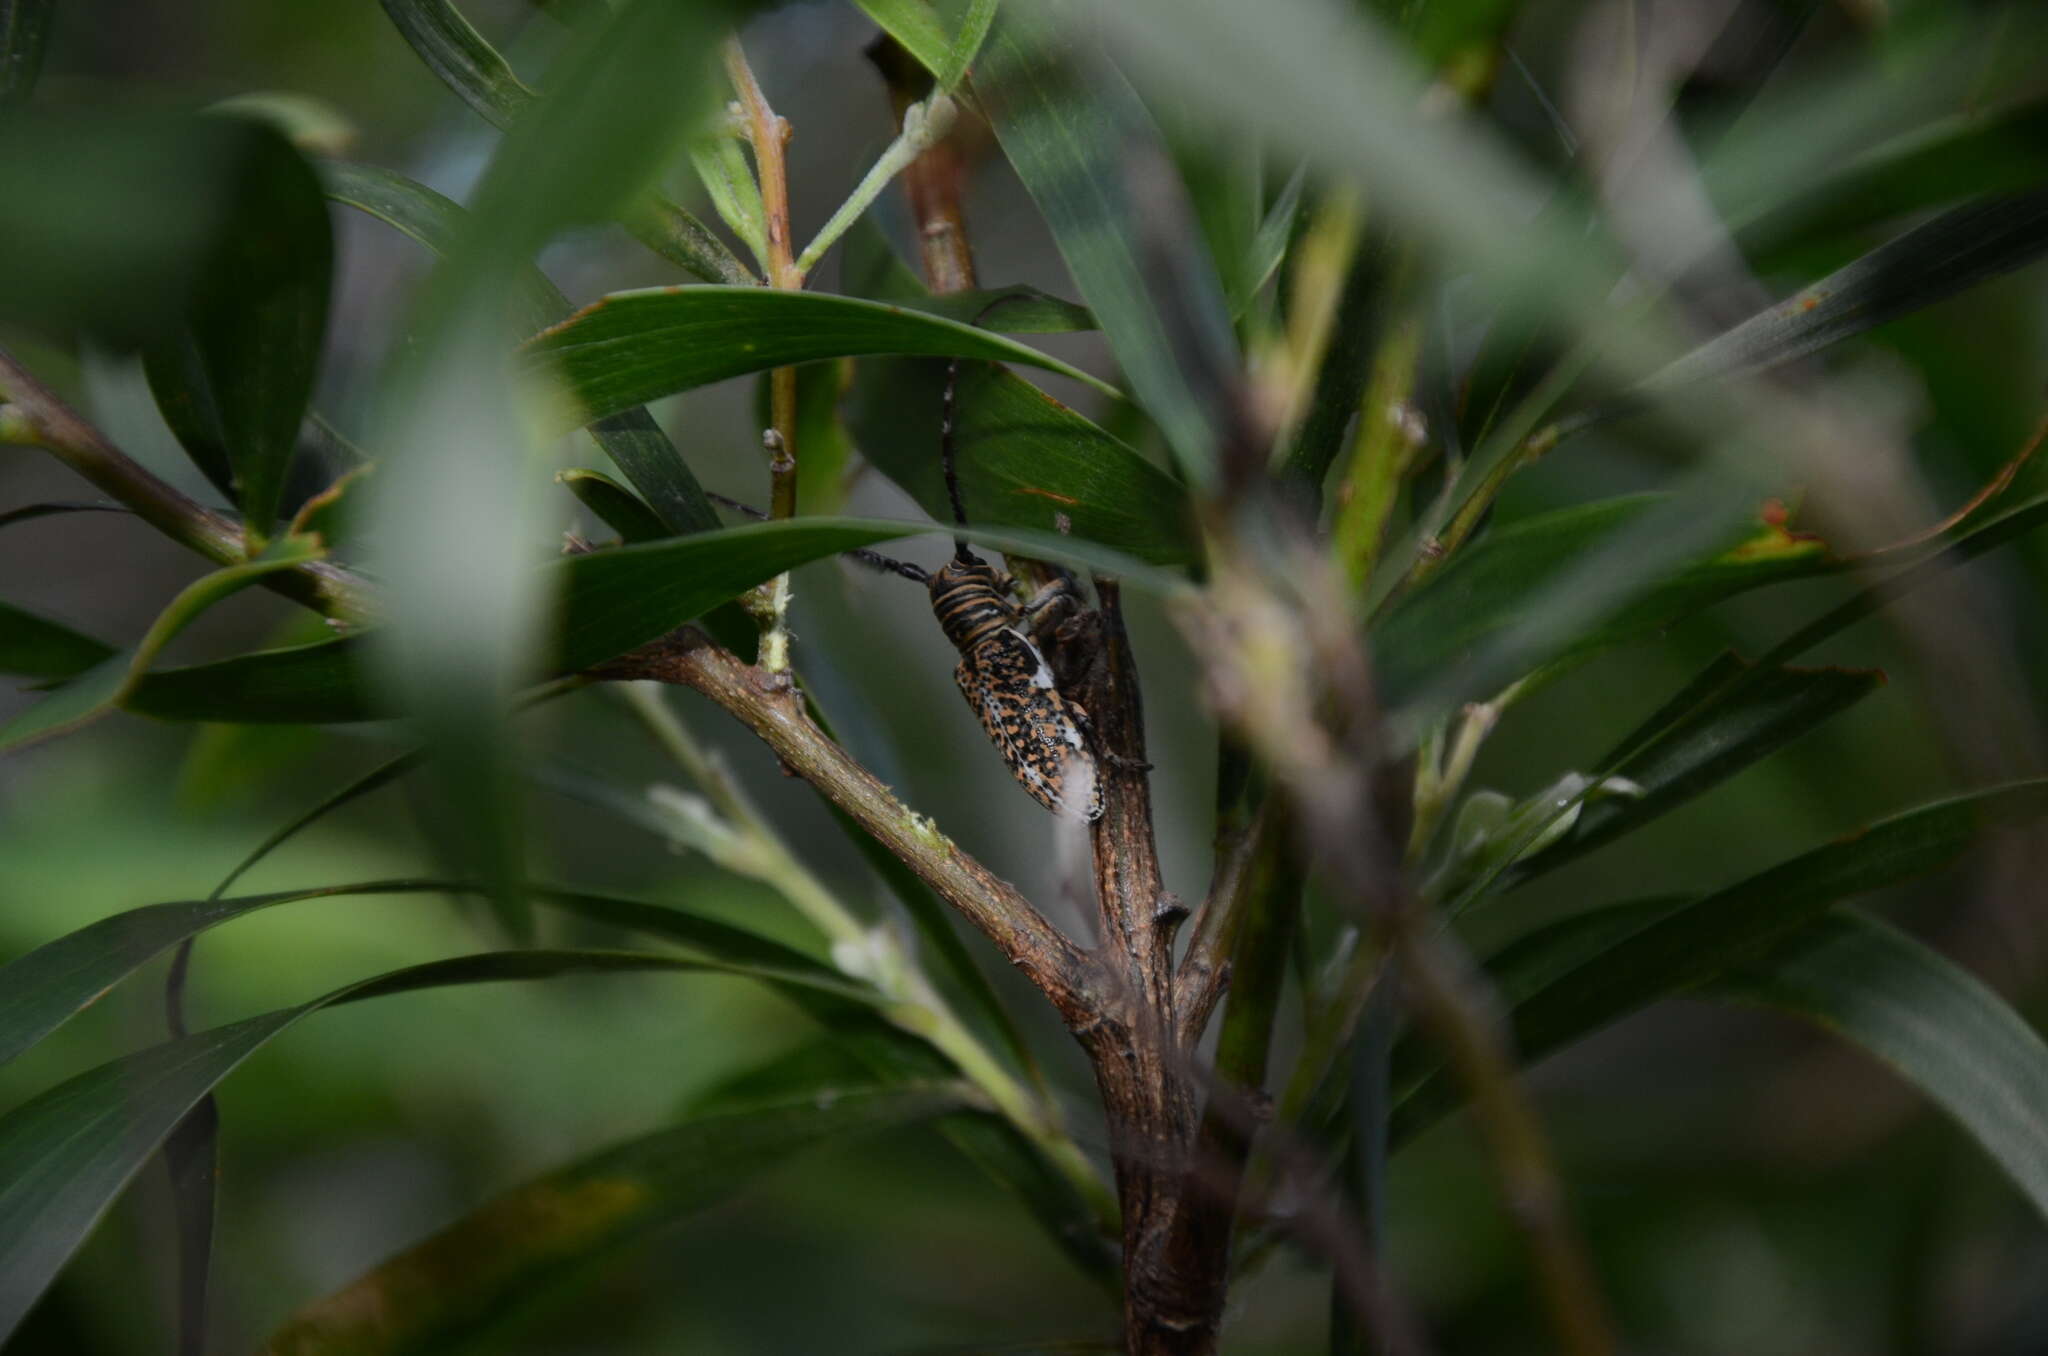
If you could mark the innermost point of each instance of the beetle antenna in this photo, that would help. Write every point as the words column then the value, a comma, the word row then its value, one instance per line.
column 947, row 459
column 948, row 402
column 874, row 560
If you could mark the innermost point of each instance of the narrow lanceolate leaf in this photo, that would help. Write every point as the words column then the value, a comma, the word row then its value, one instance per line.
column 439, row 223
column 1576, row 977
column 53, row 983
column 104, row 686
column 233, row 380
column 35, row 647
column 1936, row 259
column 1703, row 736
column 614, row 600
column 28, row 513
column 67, row 1154
column 631, row 438
column 74, row 183
column 1088, row 152
column 539, row 1239
column 966, row 44
column 915, row 27
column 1932, row 1021
column 24, row 31
column 1466, row 633
column 614, row 505
column 1967, row 155
column 633, row 347
column 457, row 53
column 314, row 684
column 1024, row 459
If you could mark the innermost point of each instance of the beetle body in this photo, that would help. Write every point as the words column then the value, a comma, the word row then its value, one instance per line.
column 1039, row 731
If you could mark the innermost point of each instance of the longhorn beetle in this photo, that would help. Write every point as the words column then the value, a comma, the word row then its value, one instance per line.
column 1041, row 732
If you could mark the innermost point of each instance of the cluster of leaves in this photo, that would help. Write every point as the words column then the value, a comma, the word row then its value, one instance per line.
column 227, row 305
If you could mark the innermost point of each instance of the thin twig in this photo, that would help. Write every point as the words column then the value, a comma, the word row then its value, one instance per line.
column 768, row 134
column 1205, row 973
column 1050, row 960
column 932, row 181
column 61, row 430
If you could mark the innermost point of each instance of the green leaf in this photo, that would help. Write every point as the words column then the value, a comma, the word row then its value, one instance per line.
column 1938, row 258
column 455, row 508
column 458, row 54
column 633, row 347
column 616, row 599
column 915, row 27
column 67, row 1154
column 53, row 983
column 1024, row 460
column 1932, row 1021
column 966, row 44
column 638, row 447
column 1574, row 978
column 100, row 689
column 233, row 380
column 541, row 1238
column 1269, row 243
column 419, row 213
column 631, row 438
column 73, row 185
column 1077, row 144
column 24, row 32
column 1703, row 736
column 1020, row 309
column 614, row 505
column 330, row 516
column 35, row 647
column 1469, row 631
column 1967, row 155
column 870, row 267
column 311, row 684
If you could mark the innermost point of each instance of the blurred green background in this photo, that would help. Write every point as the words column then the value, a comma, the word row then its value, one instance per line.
column 1746, row 1185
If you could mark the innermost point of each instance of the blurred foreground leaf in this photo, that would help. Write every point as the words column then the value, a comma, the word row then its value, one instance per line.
column 65, row 1155
column 1473, row 628
column 542, row 1238
column 1095, row 164
column 631, row 438
column 75, row 191
column 1940, row 1027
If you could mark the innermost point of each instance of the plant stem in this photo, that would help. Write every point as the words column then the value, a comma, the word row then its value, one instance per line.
column 768, row 706
column 932, row 181
column 684, row 241
column 40, row 417
column 870, row 953
column 768, row 134
column 924, row 125
column 1383, row 448
column 1206, row 969
column 1477, row 1049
